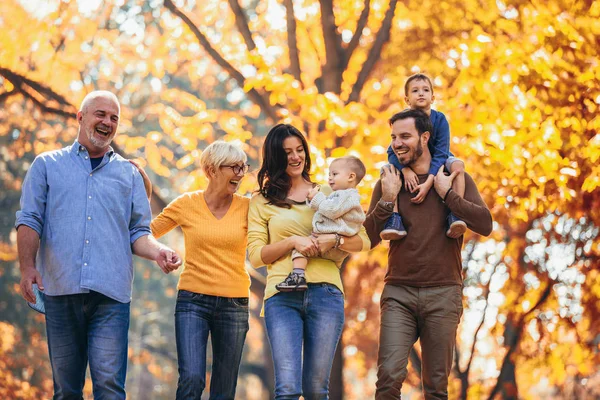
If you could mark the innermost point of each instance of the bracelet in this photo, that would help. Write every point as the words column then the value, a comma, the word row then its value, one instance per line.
column 446, row 195
column 337, row 241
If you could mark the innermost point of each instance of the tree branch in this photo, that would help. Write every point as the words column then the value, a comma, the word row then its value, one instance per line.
column 262, row 100
column 415, row 360
column 334, row 53
column 4, row 96
column 242, row 24
column 292, row 41
column 383, row 36
column 20, row 80
column 24, row 85
column 517, row 337
column 360, row 26
column 31, row 90
column 487, row 296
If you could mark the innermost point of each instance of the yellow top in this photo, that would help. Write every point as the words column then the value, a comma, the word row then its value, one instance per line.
column 215, row 248
column 270, row 224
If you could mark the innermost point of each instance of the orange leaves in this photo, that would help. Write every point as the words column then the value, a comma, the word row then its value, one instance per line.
column 185, row 99
column 592, row 181
column 7, row 337
column 154, row 158
column 8, row 252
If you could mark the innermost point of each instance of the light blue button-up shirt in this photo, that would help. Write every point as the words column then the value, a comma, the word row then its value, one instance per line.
column 87, row 221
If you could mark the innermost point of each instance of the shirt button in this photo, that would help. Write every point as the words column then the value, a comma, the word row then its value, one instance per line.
column 86, row 157
column 89, row 217
column 85, row 264
column 90, row 174
column 87, row 242
column 89, row 197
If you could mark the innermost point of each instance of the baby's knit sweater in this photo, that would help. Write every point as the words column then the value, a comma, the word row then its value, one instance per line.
column 340, row 212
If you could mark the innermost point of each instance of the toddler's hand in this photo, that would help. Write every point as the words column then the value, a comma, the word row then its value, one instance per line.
column 422, row 190
column 411, row 180
column 313, row 192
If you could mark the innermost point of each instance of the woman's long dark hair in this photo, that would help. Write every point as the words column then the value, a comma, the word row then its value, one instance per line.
column 273, row 182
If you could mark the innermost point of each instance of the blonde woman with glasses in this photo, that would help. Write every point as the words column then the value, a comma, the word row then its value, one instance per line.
column 214, row 285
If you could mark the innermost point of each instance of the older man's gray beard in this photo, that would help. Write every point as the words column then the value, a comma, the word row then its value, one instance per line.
column 100, row 143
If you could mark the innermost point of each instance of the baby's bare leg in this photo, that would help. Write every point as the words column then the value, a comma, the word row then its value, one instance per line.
column 300, row 262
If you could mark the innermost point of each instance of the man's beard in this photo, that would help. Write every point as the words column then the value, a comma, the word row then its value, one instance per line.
column 99, row 142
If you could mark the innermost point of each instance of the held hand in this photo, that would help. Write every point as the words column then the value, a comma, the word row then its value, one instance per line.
column 325, row 241
column 313, row 192
column 147, row 183
column 422, row 191
column 168, row 260
column 29, row 276
column 390, row 183
column 306, row 246
column 442, row 182
column 411, row 180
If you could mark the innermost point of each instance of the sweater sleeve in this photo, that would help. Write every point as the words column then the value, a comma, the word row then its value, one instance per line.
column 441, row 144
column 258, row 231
column 471, row 209
column 169, row 218
column 334, row 207
column 377, row 215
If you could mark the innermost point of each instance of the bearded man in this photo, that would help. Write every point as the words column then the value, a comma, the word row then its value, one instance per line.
column 422, row 296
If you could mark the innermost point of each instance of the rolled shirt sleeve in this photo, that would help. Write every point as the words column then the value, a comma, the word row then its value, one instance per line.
column 33, row 197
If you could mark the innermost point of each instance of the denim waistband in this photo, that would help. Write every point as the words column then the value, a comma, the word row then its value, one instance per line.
column 210, row 296
column 322, row 284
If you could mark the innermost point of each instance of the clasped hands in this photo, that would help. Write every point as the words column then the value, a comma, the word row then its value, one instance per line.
column 315, row 245
column 167, row 259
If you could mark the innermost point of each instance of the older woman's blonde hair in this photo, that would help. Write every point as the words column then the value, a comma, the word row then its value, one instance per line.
column 220, row 153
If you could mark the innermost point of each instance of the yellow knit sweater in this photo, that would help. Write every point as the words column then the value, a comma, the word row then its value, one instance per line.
column 215, row 249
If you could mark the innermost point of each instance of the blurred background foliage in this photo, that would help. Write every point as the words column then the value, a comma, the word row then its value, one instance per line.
column 519, row 81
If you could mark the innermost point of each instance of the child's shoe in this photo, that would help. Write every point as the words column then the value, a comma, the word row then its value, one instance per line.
column 456, row 227
column 293, row 283
column 393, row 229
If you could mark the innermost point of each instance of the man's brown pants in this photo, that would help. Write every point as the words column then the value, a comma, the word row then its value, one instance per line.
column 409, row 313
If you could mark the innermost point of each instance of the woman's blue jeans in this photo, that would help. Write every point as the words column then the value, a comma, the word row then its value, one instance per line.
column 226, row 319
column 82, row 327
column 311, row 321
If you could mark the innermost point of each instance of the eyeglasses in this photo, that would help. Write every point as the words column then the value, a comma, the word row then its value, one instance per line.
column 237, row 169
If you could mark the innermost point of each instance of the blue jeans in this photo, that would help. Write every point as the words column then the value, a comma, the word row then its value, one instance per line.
column 82, row 327
column 312, row 319
column 226, row 319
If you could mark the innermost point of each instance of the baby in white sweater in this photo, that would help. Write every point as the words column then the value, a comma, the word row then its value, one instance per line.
column 339, row 213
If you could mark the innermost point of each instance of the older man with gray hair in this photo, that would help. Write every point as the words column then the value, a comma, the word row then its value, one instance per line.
column 84, row 212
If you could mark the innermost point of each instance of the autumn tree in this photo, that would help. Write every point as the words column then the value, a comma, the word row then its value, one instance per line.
column 517, row 79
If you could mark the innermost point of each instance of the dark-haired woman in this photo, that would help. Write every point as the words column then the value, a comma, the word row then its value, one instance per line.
column 303, row 327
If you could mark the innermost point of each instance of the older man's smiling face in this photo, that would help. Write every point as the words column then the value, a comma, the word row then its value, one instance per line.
column 98, row 121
